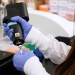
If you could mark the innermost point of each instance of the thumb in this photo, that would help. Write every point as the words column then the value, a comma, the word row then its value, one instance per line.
column 19, row 19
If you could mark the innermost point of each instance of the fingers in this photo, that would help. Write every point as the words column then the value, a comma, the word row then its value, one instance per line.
column 10, row 33
column 4, row 24
column 6, row 29
column 18, row 19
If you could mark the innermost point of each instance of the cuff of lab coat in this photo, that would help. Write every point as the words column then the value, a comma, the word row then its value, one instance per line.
column 34, row 67
column 35, row 37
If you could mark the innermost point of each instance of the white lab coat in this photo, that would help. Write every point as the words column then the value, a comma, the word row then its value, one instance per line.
column 51, row 48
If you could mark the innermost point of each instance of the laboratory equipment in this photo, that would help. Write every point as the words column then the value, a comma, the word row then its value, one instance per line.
column 21, row 48
column 6, row 65
column 20, row 10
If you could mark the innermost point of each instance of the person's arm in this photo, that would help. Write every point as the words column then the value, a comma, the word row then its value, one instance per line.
column 49, row 46
column 28, row 63
column 34, row 67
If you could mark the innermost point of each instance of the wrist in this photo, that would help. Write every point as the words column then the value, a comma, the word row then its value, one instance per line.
column 33, row 38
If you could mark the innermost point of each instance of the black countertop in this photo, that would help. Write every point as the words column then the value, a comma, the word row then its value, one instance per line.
column 6, row 66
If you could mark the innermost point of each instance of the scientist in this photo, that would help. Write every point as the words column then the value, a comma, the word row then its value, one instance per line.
column 58, row 52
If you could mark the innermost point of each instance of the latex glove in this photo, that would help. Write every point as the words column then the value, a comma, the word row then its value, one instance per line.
column 28, row 63
column 25, row 26
column 38, row 54
column 20, row 59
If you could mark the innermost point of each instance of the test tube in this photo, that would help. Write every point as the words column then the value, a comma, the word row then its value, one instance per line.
column 20, row 47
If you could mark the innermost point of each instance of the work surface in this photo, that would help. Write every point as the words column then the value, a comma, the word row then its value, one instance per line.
column 8, row 69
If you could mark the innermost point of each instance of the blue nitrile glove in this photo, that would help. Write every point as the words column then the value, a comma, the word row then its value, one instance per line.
column 20, row 59
column 8, row 31
column 38, row 54
column 25, row 26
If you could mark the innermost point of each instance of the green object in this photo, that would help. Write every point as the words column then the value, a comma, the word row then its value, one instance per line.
column 31, row 47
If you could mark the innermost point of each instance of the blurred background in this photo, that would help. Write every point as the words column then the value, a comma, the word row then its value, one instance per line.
column 63, row 8
column 64, row 11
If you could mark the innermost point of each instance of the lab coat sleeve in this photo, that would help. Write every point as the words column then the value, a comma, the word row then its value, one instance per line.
column 34, row 67
column 50, row 47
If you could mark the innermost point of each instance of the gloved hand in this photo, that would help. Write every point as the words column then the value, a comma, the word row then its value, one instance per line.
column 20, row 59
column 25, row 26
column 28, row 63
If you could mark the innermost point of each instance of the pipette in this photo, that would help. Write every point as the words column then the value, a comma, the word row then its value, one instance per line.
column 20, row 48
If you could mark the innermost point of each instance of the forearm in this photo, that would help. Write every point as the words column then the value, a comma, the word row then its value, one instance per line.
column 38, row 39
column 49, row 46
column 34, row 68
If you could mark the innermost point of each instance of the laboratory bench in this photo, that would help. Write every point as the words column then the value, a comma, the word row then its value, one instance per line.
column 6, row 65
